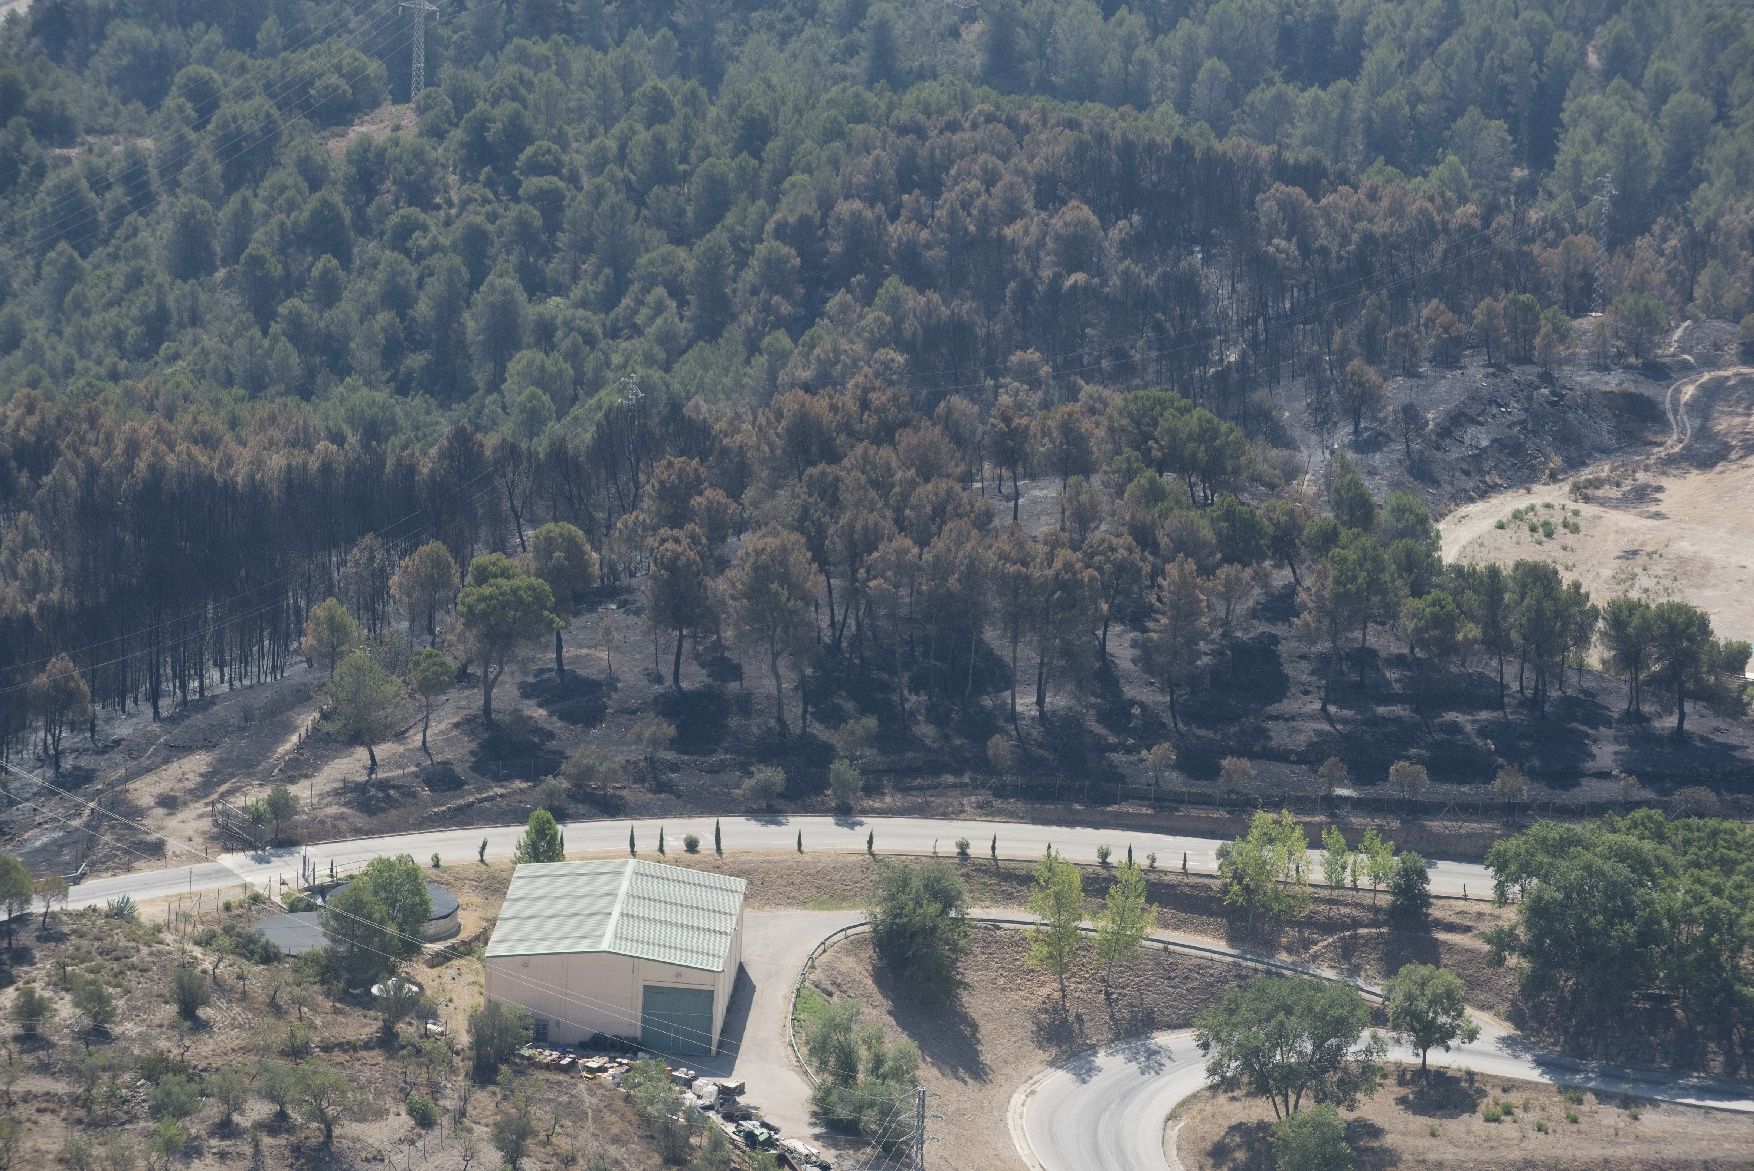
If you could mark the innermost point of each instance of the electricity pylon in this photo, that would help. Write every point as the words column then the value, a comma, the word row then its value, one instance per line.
column 417, row 47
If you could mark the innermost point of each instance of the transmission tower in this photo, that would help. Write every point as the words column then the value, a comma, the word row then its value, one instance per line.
column 1604, row 208
column 417, row 47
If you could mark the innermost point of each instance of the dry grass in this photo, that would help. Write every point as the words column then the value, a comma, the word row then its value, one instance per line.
column 1008, row 1024
column 1405, row 1125
column 253, row 1013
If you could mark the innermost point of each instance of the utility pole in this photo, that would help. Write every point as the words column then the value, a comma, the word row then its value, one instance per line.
column 417, row 47
column 919, row 1128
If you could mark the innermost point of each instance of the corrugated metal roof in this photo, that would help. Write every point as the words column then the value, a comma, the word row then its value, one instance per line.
column 630, row 907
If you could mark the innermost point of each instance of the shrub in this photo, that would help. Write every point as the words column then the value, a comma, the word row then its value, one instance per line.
column 552, row 793
column 94, row 1002
column 122, row 908
column 1541, row 1126
column 1492, row 1112
column 495, row 1033
column 691, row 843
column 962, row 849
column 1571, row 1116
column 845, row 783
column 423, row 1110
column 1102, row 855
column 764, row 785
column 1151, row 861
column 228, row 1088
column 863, row 1076
column 1572, row 1095
column 31, row 1010
column 174, row 1096
column 1003, row 755
column 169, row 1140
column 190, row 993
column 1313, row 1139
column 252, row 944
column 435, row 860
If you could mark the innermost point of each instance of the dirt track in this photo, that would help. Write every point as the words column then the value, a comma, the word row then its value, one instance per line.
column 1678, row 523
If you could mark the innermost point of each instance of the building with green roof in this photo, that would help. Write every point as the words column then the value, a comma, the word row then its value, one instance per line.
column 623, row 947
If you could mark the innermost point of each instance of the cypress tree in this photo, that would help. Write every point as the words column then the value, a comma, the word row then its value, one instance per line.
column 718, row 842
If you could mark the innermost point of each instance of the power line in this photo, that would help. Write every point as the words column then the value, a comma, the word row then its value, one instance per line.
column 417, row 56
column 405, row 542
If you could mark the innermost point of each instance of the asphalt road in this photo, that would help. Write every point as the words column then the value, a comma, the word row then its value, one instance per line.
column 1105, row 1111
column 846, row 835
column 776, row 945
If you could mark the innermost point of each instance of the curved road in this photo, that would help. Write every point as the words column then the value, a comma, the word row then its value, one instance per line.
column 1105, row 1110
column 1017, row 841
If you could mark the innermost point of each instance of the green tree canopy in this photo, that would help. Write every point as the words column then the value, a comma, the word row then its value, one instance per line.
column 566, row 561
column 919, row 926
column 1125, row 920
column 1312, row 1140
column 1056, row 899
column 430, row 675
column 361, row 944
column 1263, row 871
column 330, row 633
column 1282, row 1038
column 365, row 703
column 542, row 840
column 1625, row 904
column 1427, row 1010
column 501, row 609
column 397, row 885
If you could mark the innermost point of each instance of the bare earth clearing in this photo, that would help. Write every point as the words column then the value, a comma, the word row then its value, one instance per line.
column 1403, row 1125
column 1679, row 524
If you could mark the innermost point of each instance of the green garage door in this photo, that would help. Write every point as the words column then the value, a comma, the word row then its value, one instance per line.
column 677, row 1020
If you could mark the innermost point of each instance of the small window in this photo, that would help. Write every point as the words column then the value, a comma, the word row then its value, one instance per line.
column 539, row 1030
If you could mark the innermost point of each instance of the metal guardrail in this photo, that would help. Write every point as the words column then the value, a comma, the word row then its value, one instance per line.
column 1012, row 923
column 822, row 945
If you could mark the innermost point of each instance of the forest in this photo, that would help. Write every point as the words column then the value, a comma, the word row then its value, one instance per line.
column 785, row 308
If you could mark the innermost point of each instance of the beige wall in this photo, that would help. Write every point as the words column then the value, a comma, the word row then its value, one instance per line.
column 595, row 992
column 727, row 980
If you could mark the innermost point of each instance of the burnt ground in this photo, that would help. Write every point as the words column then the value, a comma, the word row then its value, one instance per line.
column 1259, row 700
column 1490, row 428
